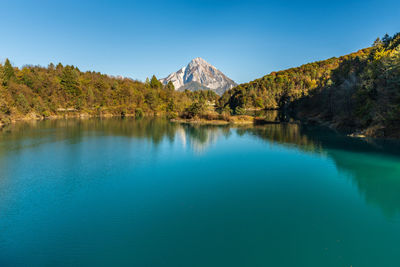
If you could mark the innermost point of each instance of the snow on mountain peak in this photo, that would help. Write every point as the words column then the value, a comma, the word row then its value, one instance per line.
column 199, row 74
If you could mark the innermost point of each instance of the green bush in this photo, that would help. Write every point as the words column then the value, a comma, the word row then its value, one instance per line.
column 194, row 110
column 139, row 113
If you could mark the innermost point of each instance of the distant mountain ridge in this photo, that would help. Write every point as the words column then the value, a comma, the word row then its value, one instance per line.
column 200, row 75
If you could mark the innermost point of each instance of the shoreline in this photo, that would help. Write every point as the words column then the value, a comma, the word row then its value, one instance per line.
column 232, row 120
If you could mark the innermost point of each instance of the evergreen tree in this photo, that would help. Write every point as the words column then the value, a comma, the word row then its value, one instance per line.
column 378, row 42
column 170, row 86
column 155, row 83
column 8, row 72
column 69, row 81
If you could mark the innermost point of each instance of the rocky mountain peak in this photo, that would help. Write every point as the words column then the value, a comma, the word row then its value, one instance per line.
column 199, row 74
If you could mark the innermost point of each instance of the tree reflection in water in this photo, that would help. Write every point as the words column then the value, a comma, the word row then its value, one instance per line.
column 373, row 166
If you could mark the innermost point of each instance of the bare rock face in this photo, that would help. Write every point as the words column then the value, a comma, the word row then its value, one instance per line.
column 199, row 74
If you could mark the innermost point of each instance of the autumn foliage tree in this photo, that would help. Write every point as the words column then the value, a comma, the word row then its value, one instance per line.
column 55, row 89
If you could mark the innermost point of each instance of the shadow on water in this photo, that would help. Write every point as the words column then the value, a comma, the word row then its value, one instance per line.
column 372, row 165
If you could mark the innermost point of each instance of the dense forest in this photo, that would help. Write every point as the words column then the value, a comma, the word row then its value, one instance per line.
column 38, row 92
column 359, row 92
column 364, row 94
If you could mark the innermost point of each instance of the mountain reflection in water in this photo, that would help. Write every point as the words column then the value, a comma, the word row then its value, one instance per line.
column 377, row 180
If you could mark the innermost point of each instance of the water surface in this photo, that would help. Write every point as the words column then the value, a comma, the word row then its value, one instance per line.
column 152, row 193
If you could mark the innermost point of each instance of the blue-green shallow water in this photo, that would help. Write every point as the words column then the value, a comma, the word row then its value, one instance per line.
column 151, row 193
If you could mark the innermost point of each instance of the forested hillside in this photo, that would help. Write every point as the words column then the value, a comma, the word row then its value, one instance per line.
column 39, row 92
column 276, row 89
column 359, row 92
column 364, row 95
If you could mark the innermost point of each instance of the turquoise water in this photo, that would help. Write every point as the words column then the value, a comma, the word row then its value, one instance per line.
column 151, row 193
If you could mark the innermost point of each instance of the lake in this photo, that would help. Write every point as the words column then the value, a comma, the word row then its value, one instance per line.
column 120, row 192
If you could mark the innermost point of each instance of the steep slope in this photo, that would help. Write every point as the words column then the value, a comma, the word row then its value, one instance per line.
column 198, row 71
column 358, row 93
column 276, row 89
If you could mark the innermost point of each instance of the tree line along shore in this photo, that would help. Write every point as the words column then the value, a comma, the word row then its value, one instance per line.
column 357, row 93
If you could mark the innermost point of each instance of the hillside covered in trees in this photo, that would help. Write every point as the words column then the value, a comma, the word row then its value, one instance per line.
column 359, row 92
column 38, row 92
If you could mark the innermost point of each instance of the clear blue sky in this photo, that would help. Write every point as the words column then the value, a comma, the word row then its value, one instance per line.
column 244, row 39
